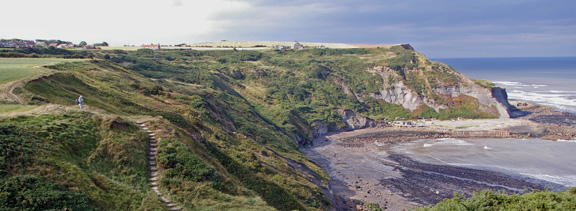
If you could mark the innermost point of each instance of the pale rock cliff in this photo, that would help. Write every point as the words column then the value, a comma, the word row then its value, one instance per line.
column 437, row 93
column 399, row 93
column 355, row 121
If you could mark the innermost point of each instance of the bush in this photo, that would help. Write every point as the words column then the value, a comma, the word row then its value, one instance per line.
column 180, row 162
column 17, row 148
column 488, row 200
column 29, row 192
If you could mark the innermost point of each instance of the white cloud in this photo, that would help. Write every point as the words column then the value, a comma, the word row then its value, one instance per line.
column 432, row 26
column 115, row 21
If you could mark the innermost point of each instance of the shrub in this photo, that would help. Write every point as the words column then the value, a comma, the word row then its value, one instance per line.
column 17, row 147
column 29, row 192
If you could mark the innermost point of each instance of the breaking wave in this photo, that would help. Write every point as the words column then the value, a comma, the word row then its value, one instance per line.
column 448, row 141
column 562, row 100
column 565, row 180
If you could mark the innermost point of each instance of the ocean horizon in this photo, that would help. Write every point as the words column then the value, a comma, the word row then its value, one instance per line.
column 547, row 81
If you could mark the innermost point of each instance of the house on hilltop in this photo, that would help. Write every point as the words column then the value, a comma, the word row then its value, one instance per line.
column 41, row 44
column 65, row 45
column 281, row 47
column 152, row 46
column 297, row 46
column 16, row 43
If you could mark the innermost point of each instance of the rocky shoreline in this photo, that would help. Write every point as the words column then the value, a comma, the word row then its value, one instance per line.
column 364, row 170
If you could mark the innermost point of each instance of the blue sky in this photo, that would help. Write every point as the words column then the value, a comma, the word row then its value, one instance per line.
column 437, row 28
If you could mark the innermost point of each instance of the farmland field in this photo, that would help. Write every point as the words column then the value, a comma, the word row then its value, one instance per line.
column 12, row 69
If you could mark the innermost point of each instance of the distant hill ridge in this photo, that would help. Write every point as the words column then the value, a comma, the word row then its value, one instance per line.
column 250, row 44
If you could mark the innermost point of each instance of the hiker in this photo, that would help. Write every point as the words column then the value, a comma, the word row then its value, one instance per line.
column 80, row 102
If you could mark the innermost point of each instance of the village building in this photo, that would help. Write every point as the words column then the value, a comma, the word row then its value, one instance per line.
column 17, row 44
column 281, row 47
column 65, row 45
column 153, row 47
column 41, row 44
column 297, row 46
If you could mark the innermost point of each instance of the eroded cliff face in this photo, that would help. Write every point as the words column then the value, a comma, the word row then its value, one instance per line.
column 429, row 84
column 398, row 93
column 437, row 94
column 355, row 121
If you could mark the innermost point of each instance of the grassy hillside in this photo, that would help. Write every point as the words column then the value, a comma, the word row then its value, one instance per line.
column 216, row 152
column 292, row 89
column 73, row 160
column 229, row 125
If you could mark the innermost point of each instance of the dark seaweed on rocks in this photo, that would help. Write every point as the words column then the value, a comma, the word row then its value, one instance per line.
column 429, row 184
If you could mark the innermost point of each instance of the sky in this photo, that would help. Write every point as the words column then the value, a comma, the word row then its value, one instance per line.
column 436, row 28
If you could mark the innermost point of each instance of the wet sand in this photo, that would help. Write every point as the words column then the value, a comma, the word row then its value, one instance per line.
column 375, row 174
column 372, row 172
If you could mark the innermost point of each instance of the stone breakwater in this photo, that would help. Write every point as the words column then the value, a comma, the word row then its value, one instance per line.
column 409, row 134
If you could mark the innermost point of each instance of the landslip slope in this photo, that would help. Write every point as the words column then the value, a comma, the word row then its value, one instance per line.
column 229, row 123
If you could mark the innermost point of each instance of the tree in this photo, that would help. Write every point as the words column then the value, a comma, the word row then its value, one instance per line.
column 101, row 44
column 82, row 44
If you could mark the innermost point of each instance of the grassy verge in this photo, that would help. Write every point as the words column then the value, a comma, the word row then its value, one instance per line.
column 12, row 69
column 15, row 108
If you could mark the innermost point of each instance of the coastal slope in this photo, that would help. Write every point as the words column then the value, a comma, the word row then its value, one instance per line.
column 229, row 124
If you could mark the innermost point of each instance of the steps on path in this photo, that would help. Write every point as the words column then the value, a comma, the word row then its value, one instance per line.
column 153, row 169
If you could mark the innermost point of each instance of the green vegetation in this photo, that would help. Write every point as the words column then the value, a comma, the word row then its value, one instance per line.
column 233, row 180
column 7, row 108
column 50, row 52
column 34, row 193
column 16, row 69
column 230, row 124
column 485, row 83
column 487, row 200
column 73, row 161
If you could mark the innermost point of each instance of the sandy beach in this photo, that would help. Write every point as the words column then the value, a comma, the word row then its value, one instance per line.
column 363, row 168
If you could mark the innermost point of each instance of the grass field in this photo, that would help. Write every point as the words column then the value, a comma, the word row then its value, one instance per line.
column 15, row 108
column 12, row 69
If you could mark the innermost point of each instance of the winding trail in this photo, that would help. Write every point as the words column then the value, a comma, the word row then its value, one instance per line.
column 11, row 89
column 154, row 169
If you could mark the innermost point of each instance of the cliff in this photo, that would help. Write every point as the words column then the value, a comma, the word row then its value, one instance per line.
column 423, row 83
column 228, row 123
column 493, row 100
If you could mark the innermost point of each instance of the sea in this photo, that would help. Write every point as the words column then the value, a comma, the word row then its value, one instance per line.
column 547, row 81
column 549, row 163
